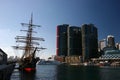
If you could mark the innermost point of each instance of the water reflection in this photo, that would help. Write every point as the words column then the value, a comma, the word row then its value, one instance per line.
column 110, row 73
column 77, row 73
column 27, row 75
column 43, row 72
column 67, row 72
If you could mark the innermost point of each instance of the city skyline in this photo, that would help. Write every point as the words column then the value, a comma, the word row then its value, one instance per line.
column 104, row 14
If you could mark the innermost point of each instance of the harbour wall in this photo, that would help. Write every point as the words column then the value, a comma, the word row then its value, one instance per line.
column 6, row 71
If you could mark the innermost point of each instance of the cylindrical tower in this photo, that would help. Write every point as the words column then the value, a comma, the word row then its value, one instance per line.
column 61, row 41
column 89, row 41
column 74, row 41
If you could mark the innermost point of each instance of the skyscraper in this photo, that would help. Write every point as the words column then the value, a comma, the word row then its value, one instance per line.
column 74, row 41
column 110, row 41
column 61, row 42
column 69, row 41
column 89, row 41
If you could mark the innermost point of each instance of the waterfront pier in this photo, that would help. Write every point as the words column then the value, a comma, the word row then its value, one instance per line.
column 6, row 71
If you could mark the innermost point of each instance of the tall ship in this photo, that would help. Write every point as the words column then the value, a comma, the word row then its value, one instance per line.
column 29, row 46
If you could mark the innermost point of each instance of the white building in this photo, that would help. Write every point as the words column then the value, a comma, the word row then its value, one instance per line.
column 102, row 44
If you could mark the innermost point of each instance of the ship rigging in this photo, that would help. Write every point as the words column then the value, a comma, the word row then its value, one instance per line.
column 28, row 59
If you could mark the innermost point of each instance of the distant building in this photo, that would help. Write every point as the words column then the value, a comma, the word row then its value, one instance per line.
column 110, row 44
column 102, row 44
column 111, row 51
column 89, row 41
column 74, row 41
column 62, row 40
column 111, row 54
column 110, row 41
column 3, row 57
column 117, row 46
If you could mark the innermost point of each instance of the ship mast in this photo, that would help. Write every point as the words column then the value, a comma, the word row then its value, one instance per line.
column 30, row 42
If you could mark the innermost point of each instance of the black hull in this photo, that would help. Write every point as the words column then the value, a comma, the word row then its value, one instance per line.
column 28, row 66
column 28, row 59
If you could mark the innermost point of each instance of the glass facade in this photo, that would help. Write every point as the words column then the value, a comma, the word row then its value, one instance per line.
column 89, row 41
column 111, row 54
column 61, row 41
column 68, row 40
column 111, row 41
column 74, row 41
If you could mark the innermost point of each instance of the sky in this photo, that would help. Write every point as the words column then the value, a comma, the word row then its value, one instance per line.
column 104, row 14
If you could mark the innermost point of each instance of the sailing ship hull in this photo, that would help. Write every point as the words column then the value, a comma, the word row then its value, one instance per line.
column 25, row 65
column 28, row 67
column 28, row 60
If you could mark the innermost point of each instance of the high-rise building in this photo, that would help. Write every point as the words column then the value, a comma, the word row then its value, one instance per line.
column 110, row 41
column 102, row 44
column 62, row 40
column 74, row 41
column 89, row 41
column 69, row 40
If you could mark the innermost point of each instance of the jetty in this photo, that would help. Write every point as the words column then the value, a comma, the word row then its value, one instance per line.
column 6, row 71
column 6, row 66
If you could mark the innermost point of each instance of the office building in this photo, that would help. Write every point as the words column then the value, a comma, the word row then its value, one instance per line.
column 69, row 41
column 74, row 41
column 111, row 54
column 117, row 46
column 102, row 44
column 62, row 40
column 110, row 41
column 89, row 41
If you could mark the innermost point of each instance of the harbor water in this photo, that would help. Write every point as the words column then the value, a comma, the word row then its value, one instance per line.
column 67, row 72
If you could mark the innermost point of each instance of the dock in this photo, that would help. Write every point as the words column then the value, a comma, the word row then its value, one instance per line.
column 6, row 71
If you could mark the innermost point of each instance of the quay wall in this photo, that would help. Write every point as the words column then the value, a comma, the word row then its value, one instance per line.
column 6, row 71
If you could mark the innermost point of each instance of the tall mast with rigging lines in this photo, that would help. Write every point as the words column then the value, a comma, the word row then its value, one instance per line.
column 28, row 59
